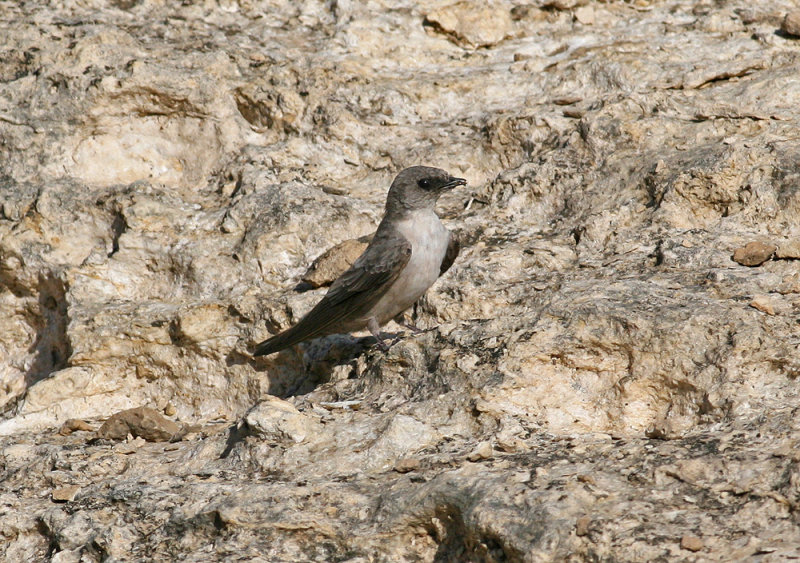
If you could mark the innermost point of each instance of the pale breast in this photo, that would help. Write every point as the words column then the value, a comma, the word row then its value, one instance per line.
column 428, row 238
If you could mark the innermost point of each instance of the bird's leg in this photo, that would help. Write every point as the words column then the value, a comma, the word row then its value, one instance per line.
column 375, row 330
column 401, row 320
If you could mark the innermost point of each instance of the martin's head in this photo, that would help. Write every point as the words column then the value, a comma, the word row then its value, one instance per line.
column 419, row 187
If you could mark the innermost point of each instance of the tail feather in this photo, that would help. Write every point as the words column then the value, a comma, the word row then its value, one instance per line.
column 289, row 337
column 277, row 343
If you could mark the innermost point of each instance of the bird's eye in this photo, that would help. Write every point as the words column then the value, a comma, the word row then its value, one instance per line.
column 424, row 183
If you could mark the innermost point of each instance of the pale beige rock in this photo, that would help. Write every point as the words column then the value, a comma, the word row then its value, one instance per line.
column 131, row 445
column 691, row 543
column 483, row 451
column 763, row 303
column 68, row 393
column 66, row 493
column 275, row 420
column 585, row 15
column 403, row 435
column 789, row 249
column 564, row 4
column 198, row 325
column 476, row 24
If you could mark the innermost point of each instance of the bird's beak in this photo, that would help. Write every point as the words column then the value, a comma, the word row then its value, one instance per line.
column 453, row 182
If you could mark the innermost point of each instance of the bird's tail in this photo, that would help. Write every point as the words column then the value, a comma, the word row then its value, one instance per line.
column 277, row 343
column 295, row 335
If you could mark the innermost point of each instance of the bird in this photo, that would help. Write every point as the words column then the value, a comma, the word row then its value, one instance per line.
column 407, row 254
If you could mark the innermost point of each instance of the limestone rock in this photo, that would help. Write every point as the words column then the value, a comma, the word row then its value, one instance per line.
column 582, row 526
column 277, row 421
column 67, row 493
column 585, row 15
column 789, row 249
column 764, row 304
column 476, row 24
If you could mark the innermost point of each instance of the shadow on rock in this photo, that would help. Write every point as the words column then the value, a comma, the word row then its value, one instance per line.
column 52, row 345
column 299, row 370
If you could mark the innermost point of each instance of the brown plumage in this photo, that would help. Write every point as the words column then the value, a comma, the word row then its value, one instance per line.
column 409, row 251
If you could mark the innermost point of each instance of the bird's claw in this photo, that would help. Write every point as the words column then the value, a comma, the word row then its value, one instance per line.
column 413, row 328
column 384, row 347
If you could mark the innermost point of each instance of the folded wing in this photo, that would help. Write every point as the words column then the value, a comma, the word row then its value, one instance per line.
column 351, row 296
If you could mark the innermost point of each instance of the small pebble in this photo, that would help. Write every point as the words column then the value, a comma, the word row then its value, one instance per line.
column 170, row 409
column 521, row 477
column 585, row 15
column 510, row 444
column 754, row 253
column 66, row 493
column 692, row 543
column 74, row 425
column 582, row 526
column 130, row 446
column 763, row 304
column 407, row 464
column 791, row 23
column 483, row 451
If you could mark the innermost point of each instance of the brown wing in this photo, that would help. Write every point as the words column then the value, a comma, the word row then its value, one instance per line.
column 352, row 295
column 453, row 248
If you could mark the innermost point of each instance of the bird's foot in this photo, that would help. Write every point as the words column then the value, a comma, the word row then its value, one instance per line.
column 417, row 330
column 375, row 330
column 413, row 328
column 383, row 346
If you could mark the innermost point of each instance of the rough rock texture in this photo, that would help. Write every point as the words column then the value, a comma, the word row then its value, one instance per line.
column 602, row 381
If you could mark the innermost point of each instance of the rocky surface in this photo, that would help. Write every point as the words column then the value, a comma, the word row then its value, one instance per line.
column 605, row 378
